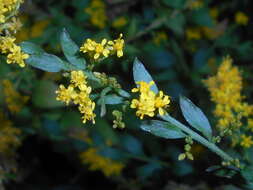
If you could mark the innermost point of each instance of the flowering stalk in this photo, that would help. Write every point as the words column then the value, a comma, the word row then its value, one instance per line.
column 197, row 137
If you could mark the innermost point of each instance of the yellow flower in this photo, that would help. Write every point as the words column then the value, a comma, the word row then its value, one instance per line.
column 78, row 79
column 8, row 136
column 78, row 92
column 100, row 49
column 118, row 45
column 17, row 56
column 96, row 11
column 89, row 45
column 196, row 4
column 225, row 89
column 246, row 141
column 241, row 18
column 97, row 162
column 96, row 50
column 149, row 101
column 6, row 7
column 119, row 22
column 6, row 43
column 15, row 102
column 161, row 102
column 65, row 94
column 193, row 34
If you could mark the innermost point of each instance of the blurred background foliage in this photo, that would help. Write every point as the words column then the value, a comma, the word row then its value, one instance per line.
column 44, row 145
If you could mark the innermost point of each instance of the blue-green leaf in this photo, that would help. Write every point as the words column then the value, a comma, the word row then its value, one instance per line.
column 141, row 74
column 31, row 48
column 132, row 144
column 46, row 62
column 202, row 17
column 195, row 117
column 113, row 99
column 162, row 129
column 71, row 50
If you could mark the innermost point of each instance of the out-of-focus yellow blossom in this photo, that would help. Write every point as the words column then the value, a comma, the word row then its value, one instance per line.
column 8, row 136
column 15, row 101
column 160, row 37
column 14, row 52
column 225, row 89
column 250, row 124
column 97, row 162
column 97, row 13
column 103, row 49
column 38, row 28
column 78, row 92
column 7, row 7
column 213, row 32
column 246, row 141
column 241, row 18
column 119, row 22
column 214, row 12
column 149, row 101
column 193, row 33
column 196, row 4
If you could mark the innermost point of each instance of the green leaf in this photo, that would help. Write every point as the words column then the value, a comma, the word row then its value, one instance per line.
column 71, row 50
column 46, row 62
column 44, row 95
column 202, row 17
column 132, row 144
column 177, row 4
column 113, row 99
column 162, row 129
column 31, row 48
column 195, row 117
column 176, row 23
column 123, row 93
column 141, row 74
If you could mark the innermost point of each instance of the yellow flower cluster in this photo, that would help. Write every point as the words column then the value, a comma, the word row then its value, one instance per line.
column 103, row 49
column 246, row 141
column 97, row 162
column 8, row 136
column 193, row 33
column 225, row 89
column 196, row 4
column 149, row 101
column 15, row 101
column 78, row 92
column 119, row 22
column 97, row 13
column 6, row 7
column 241, row 18
column 13, row 51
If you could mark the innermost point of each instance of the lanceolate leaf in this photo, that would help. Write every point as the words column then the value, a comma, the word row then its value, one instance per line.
column 195, row 117
column 46, row 62
column 71, row 50
column 162, row 129
column 141, row 74
column 31, row 48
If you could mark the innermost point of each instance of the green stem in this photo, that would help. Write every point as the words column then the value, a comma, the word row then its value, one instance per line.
column 198, row 138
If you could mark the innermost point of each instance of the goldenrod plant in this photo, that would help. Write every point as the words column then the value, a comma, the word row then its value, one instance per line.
column 101, row 94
